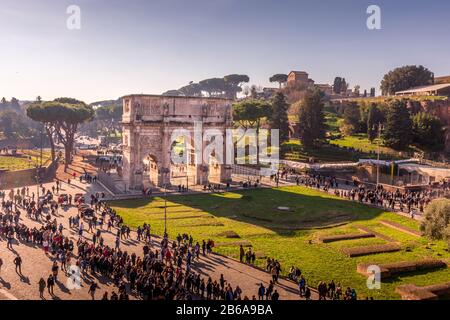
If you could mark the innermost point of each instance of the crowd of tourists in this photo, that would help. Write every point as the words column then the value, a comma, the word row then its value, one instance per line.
column 165, row 270
column 412, row 202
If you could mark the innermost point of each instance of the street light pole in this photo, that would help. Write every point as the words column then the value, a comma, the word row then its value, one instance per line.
column 165, row 201
column 37, row 186
column 380, row 127
column 41, row 142
column 165, row 211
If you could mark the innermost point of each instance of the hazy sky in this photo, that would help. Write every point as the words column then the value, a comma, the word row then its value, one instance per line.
column 150, row 46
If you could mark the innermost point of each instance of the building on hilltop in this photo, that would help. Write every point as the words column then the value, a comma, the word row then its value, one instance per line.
column 299, row 78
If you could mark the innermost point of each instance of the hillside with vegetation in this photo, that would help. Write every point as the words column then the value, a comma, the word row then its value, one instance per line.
column 352, row 128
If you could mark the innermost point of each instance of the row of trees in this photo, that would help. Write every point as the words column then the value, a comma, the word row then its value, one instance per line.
column 228, row 86
column 13, row 104
column 61, row 118
column 14, row 124
column 401, row 126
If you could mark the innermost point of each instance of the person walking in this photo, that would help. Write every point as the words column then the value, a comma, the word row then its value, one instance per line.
column 42, row 286
column 261, row 292
column 92, row 289
column 9, row 240
column 50, row 284
column 55, row 269
column 307, row 293
column 18, row 264
column 241, row 253
column 275, row 296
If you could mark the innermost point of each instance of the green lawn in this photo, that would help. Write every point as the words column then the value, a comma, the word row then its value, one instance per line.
column 362, row 144
column 290, row 237
column 295, row 151
column 26, row 159
column 347, row 148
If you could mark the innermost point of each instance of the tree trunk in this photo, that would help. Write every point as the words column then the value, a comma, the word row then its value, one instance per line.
column 67, row 157
column 69, row 149
column 52, row 143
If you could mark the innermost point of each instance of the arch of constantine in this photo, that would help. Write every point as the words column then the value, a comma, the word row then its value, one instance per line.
column 149, row 122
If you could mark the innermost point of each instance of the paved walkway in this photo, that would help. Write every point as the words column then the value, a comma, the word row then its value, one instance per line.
column 16, row 285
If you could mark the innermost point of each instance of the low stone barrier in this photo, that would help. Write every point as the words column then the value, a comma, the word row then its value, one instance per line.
column 348, row 236
column 399, row 227
column 373, row 249
column 434, row 292
column 390, row 269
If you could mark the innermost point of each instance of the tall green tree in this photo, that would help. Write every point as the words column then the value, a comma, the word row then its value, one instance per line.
column 215, row 87
column 374, row 118
column 352, row 118
column 233, row 84
column 47, row 115
column 192, row 90
column 250, row 114
column 61, row 118
column 404, row 78
column 279, row 117
column 337, row 85
column 398, row 127
column 344, row 86
column 428, row 132
column 311, row 118
column 280, row 78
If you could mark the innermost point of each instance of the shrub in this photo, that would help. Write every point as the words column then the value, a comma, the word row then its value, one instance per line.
column 436, row 219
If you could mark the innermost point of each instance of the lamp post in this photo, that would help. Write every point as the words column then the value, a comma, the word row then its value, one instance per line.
column 165, row 211
column 41, row 142
column 37, row 186
column 380, row 128
column 164, row 172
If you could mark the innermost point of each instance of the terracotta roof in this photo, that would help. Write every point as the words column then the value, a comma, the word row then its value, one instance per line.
column 298, row 72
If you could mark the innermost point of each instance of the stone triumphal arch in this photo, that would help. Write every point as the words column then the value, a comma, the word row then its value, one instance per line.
column 148, row 125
